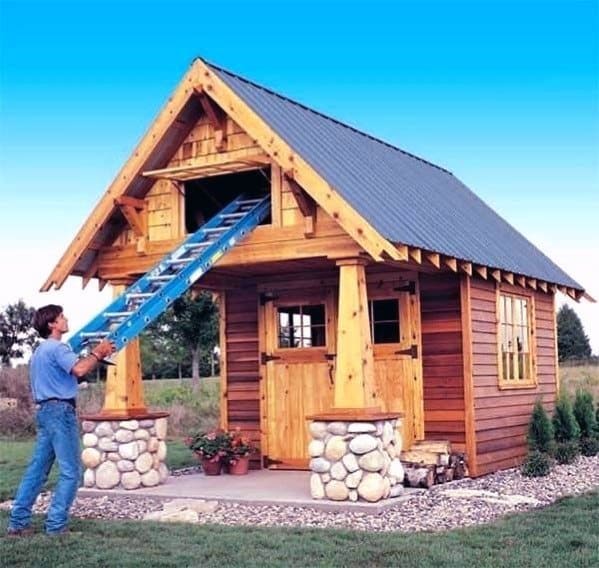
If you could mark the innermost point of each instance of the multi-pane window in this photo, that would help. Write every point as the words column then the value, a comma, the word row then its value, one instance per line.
column 384, row 320
column 302, row 326
column 515, row 341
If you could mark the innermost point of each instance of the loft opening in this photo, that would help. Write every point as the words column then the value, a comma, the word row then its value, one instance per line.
column 205, row 197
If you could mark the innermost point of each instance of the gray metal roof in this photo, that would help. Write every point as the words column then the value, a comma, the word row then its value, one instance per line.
column 407, row 199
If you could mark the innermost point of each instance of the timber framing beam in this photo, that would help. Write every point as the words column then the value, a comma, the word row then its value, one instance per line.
column 217, row 117
column 213, row 165
column 131, row 209
column 306, row 204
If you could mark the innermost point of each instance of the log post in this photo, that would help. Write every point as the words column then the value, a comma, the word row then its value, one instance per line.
column 354, row 372
column 124, row 389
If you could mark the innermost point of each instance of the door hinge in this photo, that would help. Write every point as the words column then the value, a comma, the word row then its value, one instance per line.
column 406, row 287
column 411, row 351
column 330, row 356
column 265, row 358
column 267, row 297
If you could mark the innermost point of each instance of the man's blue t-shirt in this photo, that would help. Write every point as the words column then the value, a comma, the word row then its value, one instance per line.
column 50, row 371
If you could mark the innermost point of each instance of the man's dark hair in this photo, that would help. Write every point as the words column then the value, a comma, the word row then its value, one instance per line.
column 44, row 316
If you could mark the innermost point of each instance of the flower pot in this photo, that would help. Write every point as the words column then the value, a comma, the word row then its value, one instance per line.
column 240, row 467
column 211, row 466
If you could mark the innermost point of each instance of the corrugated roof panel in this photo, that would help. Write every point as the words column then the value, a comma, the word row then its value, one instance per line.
column 407, row 199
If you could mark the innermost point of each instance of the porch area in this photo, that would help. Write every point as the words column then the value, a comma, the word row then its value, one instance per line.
column 258, row 487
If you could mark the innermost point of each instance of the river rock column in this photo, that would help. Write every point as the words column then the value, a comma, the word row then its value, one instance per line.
column 127, row 453
column 356, row 459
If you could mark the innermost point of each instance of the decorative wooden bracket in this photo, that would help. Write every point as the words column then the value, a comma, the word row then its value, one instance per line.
column 306, row 204
column 131, row 209
column 217, row 118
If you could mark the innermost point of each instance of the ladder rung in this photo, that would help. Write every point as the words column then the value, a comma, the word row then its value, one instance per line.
column 94, row 333
column 216, row 230
column 162, row 278
column 117, row 314
column 181, row 260
column 232, row 215
column 136, row 295
column 249, row 201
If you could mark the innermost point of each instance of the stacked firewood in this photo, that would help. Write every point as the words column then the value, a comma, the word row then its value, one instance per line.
column 428, row 463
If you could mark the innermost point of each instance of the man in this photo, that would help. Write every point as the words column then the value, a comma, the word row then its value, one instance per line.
column 53, row 372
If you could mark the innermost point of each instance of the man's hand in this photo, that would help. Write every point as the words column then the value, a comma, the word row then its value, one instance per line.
column 104, row 349
column 87, row 364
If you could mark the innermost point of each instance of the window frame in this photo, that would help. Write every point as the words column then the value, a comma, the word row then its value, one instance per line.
column 301, row 304
column 532, row 381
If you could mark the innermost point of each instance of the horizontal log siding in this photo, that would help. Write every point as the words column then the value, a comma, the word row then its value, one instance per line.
column 242, row 372
column 442, row 365
column 501, row 416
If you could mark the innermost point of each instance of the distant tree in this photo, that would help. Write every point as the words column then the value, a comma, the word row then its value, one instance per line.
column 16, row 333
column 183, row 336
column 196, row 327
column 572, row 342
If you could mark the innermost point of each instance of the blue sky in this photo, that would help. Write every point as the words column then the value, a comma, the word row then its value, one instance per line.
column 504, row 94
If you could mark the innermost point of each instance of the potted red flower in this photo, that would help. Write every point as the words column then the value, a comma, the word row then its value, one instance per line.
column 238, row 454
column 211, row 449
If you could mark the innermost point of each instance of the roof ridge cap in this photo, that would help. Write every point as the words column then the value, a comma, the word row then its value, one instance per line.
column 321, row 114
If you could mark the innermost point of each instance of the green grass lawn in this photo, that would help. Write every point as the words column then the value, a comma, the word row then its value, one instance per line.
column 564, row 535
column 15, row 454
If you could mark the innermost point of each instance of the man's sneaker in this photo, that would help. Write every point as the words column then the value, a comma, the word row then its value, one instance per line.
column 16, row 533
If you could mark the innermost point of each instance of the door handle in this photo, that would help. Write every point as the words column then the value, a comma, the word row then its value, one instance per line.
column 331, row 358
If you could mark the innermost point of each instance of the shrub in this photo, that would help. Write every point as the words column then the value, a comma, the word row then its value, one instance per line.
column 540, row 430
column 566, row 452
column 19, row 421
column 585, row 413
column 565, row 427
column 537, row 464
column 589, row 446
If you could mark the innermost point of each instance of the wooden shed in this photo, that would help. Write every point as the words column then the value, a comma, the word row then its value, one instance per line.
column 379, row 282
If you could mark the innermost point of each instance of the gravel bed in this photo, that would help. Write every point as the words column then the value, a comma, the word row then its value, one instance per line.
column 448, row 506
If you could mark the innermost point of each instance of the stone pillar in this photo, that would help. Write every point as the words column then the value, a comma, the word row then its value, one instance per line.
column 128, row 453
column 124, row 445
column 355, row 457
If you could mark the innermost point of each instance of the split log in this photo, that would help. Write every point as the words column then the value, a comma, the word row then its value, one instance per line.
column 437, row 446
column 420, row 475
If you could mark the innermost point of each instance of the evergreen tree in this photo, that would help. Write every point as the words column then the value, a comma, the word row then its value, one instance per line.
column 16, row 333
column 572, row 342
column 585, row 413
column 540, row 430
column 565, row 426
column 566, row 431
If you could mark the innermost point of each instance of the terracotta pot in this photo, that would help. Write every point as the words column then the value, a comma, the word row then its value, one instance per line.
column 240, row 467
column 210, row 466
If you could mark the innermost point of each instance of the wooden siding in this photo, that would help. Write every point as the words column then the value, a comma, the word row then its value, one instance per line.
column 442, row 363
column 501, row 416
column 201, row 143
column 242, row 376
column 164, row 203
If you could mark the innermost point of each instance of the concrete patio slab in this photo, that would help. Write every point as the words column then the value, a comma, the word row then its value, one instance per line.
column 262, row 487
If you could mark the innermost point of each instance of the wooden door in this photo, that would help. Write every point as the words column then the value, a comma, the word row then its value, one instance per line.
column 395, row 329
column 300, row 338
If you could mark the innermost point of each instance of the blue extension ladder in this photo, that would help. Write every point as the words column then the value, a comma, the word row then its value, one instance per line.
column 127, row 316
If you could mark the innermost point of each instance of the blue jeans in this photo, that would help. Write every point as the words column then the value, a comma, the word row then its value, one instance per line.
column 57, row 438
